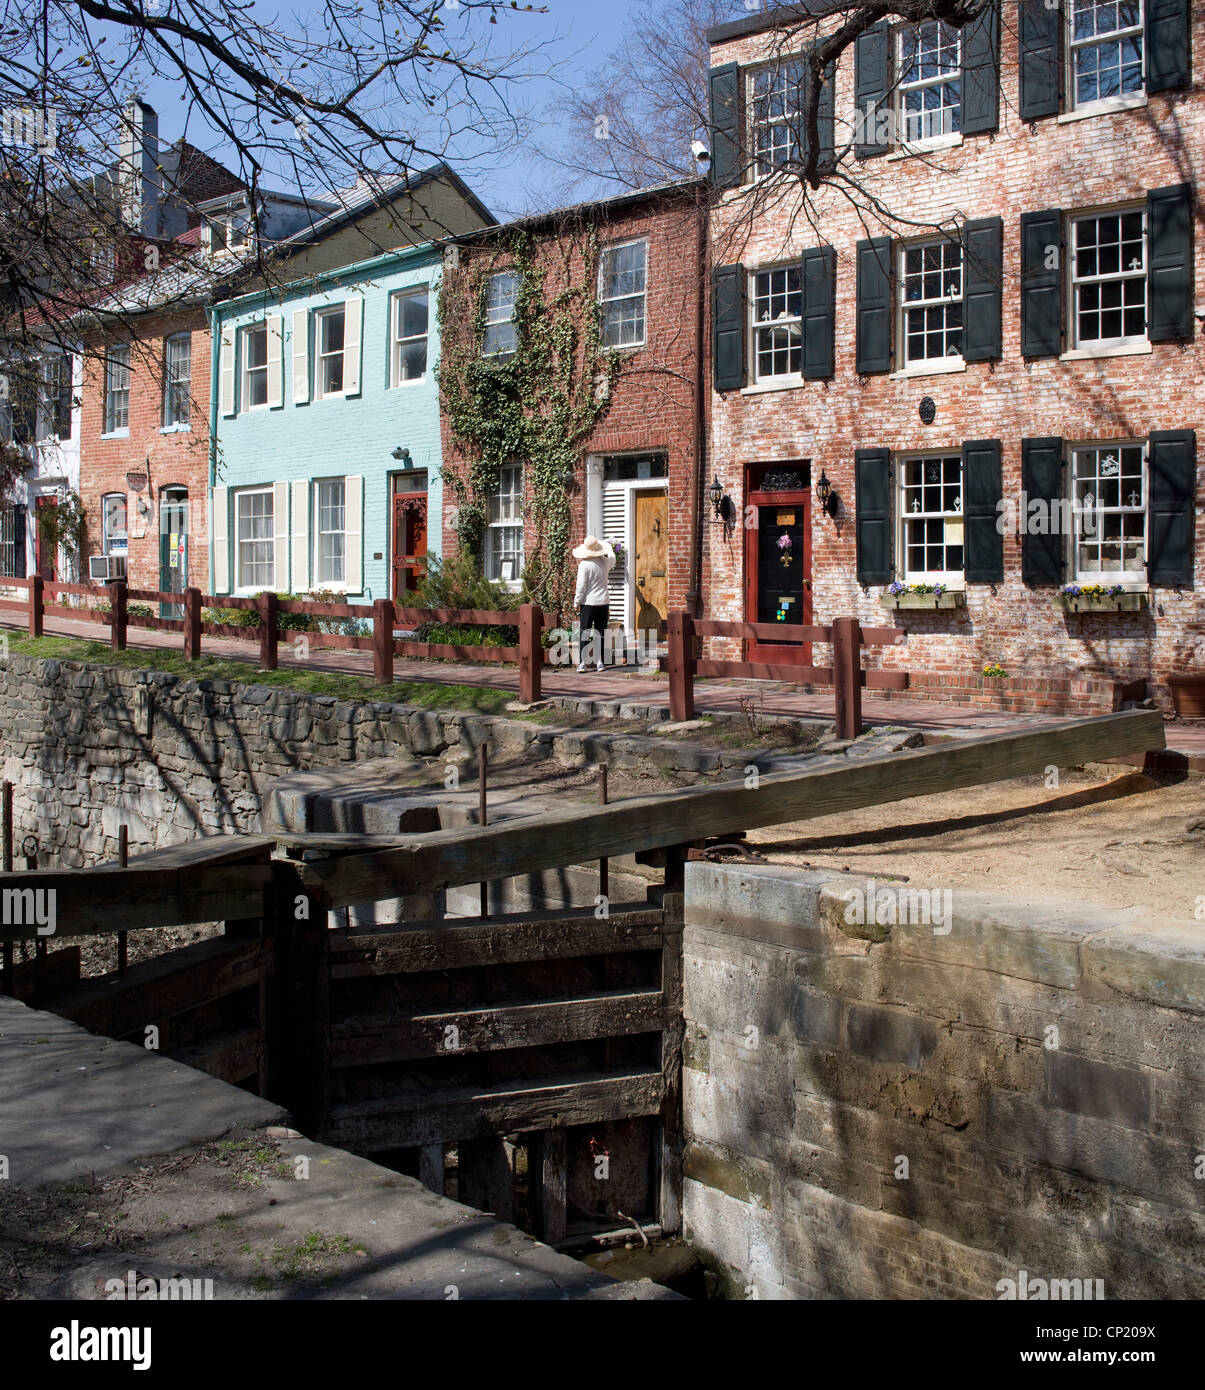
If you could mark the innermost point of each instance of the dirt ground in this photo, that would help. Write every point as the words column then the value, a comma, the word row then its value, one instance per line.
column 1123, row 840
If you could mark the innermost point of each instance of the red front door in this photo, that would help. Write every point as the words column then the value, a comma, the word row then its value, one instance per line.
column 778, row 559
column 409, row 542
column 47, row 557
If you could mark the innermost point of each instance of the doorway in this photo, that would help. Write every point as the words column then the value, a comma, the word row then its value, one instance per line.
column 173, row 547
column 650, row 512
column 409, row 535
column 778, row 557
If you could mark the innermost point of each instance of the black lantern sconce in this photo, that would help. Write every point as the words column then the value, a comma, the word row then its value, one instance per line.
column 722, row 505
column 828, row 496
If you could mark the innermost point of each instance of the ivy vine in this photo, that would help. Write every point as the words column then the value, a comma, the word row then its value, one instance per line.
column 537, row 406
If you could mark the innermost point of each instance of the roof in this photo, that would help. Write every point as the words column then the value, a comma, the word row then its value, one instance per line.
column 781, row 17
column 619, row 200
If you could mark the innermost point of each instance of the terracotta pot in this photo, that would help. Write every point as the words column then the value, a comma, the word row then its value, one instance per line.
column 1188, row 695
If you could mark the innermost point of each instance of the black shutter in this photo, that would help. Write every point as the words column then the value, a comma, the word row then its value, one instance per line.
column 62, row 406
column 19, row 540
column 872, row 514
column 872, row 79
column 1042, row 554
column 874, row 305
column 1172, row 470
column 1168, row 45
column 824, row 117
column 983, row 543
column 1040, row 29
column 724, row 86
column 1041, row 284
column 983, row 274
column 728, row 327
column 1169, row 276
column 818, row 276
column 981, row 71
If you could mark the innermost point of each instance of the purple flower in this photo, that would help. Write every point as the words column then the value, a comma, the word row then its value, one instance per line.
column 784, row 542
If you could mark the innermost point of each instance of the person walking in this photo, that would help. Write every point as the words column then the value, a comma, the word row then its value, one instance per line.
column 596, row 560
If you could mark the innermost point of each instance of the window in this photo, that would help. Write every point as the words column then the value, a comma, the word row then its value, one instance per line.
column 932, row 518
column 622, row 277
column 777, row 307
column 329, row 562
column 23, row 389
column 504, row 529
column 177, row 374
column 255, row 366
column 930, row 81
column 117, row 389
column 931, row 301
column 329, row 381
column 410, row 317
column 1108, row 279
column 254, row 530
column 114, row 537
column 56, row 396
column 1105, row 50
column 774, row 101
column 500, row 337
column 1109, row 491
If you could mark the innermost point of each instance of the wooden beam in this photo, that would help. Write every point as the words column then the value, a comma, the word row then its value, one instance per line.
column 528, row 844
column 487, row 1181
column 547, row 1170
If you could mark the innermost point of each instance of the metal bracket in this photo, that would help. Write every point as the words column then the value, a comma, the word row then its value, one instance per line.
column 718, row 854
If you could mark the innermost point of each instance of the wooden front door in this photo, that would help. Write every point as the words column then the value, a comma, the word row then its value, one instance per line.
column 409, row 537
column 778, row 558
column 650, row 520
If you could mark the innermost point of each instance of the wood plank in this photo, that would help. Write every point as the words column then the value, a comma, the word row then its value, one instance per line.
column 548, row 1171
column 528, row 844
column 468, row 1113
column 487, row 1181
column 784, row 670
column 404, row 1037
column 885, row 680
column 669, row 1156
column 883, row 636
column 59, row 970
column 431, row 1167
column 230, row 1056
column 468, row 617
column 443, row 651
column 761, row 632
column 206, row 849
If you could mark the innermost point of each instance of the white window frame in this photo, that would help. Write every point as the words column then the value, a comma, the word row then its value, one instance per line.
column 1074, row 280
column 605, row 300
column 241, row 585
column 169, row 381
column 782, row 320
column 943, row 301
column 320, row 581
column 113, row 430
column 509, row 488
column 1130, row 579
column 951, row 112
column 245, row 355
column 321, row 318
column 53, row 369
column 789, row 70
column 398, row 342
column 108, row 535
column 1074, row 47
column 494, row 319
column 951, row 579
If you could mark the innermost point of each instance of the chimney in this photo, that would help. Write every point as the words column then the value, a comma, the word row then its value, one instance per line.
column 141, row 182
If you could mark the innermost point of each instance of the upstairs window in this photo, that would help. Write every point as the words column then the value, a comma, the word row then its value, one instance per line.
column 930, row 283
column 177, row 381
column 330, row 332
column 56, row 397
column 411, row 312
column 622, row 274
column 1109, row 487
column 774, row 104
column 932, row 519
column 777, row 307
column 1108, row 279
column 117, row 389
column 255, row 366
column 930, row 81
column 504, row 526
column 501, row 339
column 1104, row 48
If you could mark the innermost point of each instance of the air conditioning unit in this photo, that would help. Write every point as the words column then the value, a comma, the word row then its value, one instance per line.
column 106, row 567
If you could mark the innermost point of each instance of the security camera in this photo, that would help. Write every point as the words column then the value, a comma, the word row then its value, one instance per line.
column 700, row 152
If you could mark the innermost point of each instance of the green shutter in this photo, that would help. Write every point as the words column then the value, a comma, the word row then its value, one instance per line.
column 1172, row 472
column 1040, row 26
column 818, row 277
column 1169, row 273
column 1042, row 553
column 728, row 327
column 981, row 71
column 1041, row 283
column 724, row 87
column 824, row 117
column 872, row 515
column 872, row 80
column 1168, row 45
column 983, row 275
column 874, row 305
column 983, row 552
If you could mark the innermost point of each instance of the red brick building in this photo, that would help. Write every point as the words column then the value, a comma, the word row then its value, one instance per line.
column 637, row 478
column 986, row 336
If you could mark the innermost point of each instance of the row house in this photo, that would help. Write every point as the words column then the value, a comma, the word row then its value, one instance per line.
column 623, row 279
column 973, row 361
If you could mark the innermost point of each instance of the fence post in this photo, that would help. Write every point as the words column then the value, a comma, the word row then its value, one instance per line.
column 36, row 605
column 680, row 632
column 118, row 614
column 382, row 641
column 269, row 615
column 847, row 676
column 531, row 654
column 192, row 624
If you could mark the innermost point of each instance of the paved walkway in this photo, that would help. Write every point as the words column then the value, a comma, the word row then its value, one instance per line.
column 620, row 684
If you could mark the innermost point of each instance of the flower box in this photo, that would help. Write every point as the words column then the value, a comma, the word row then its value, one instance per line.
column 1101, row 603
column 955, row 599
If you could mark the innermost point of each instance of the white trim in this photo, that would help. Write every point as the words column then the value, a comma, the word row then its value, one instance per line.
column 276, row 361
column 301, row 357
column 938, row 142
column 943, row 367
column 1086, row 354
column 353, row 335
column 773, row 383
column 353, row 533
column 219, row 530
column 301, row 535
column 280, row 537
column 226, row 371
column 1132, row 102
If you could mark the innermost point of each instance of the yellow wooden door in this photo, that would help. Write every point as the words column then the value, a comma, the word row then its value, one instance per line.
column 651, row 515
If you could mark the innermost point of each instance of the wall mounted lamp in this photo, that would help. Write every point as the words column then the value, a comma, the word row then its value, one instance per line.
column 402, row 455
column 828, row 496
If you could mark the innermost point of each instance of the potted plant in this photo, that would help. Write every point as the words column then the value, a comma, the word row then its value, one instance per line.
column 1099, row 598
column 1188, row 693
column 900, row 595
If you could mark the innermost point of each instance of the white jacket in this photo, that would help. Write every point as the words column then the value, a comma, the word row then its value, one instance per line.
column 592, row 580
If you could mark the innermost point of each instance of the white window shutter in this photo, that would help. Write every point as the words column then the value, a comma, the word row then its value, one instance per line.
column 301, row 356
column 280, row 528
column 353, row 318
column 301, row 535
column 221, row 543
column 276, row 346
column 226, row 372
column 353, row 534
